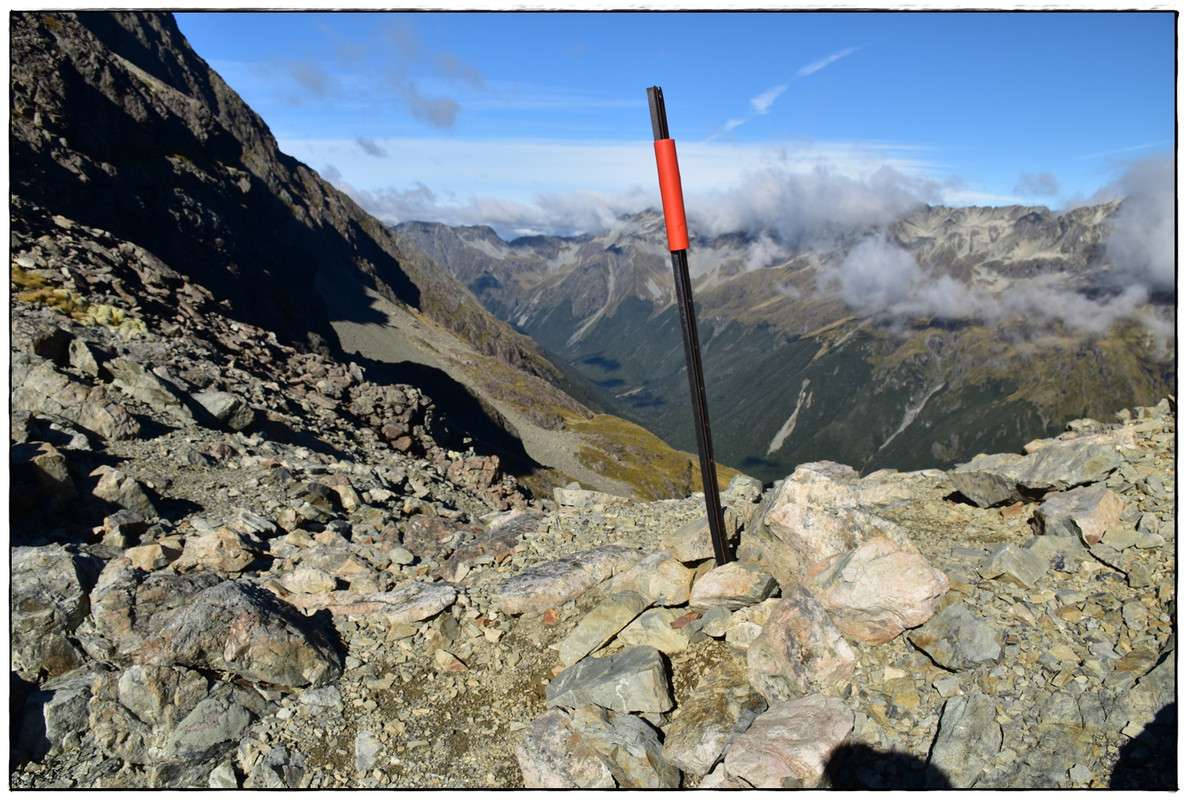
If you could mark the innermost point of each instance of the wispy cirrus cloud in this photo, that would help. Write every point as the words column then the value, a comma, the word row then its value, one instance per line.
column 761, row 103
column 816, row 66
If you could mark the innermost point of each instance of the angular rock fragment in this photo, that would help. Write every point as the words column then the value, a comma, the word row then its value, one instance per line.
column 659, row 577
column 732, row 586
column 956, row 639
column 1062, row 553
column 720, row 709
column 222, row 550
column 137, row 382
column 226, row 410
column 116, row 486
column 600, row 625
column 38, row 387
column 627, row 748
column 968, row 738
column 1061, row 466
column 877, row 591
column 634, row 679
column 1012, row 563
column 412, row 601
column 987, row 479
column 56, row 716
column 790, row 743
column 694, row 542
column 1087, row 512
column 553, row 755
column 799, row 650
column 654, row 627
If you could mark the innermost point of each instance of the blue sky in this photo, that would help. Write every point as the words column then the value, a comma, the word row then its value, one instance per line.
column 538, row 122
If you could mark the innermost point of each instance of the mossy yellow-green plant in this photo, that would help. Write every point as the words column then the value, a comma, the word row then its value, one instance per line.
column 630, row 454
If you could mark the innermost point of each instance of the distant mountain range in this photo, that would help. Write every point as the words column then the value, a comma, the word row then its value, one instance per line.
column 951, row 331
column 118, row 126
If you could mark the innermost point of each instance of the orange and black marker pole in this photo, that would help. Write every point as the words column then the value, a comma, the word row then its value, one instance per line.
column 677, row 226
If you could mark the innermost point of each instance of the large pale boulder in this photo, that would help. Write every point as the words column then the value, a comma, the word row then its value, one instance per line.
column 876, row 591
column 811, row 515
column 799, row 650
column 789, row 745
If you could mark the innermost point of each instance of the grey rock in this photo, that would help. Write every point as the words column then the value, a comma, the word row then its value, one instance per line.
column 48, row 600
column 215, row 721
column 956, row 639
column 82, row 358
column 39, row 388
column 654, row 627
column 1062, row 553
column 322, row 697
column 161, row 696
column 226, row 410
column 56, row 716
column 116, row 486
column 968, row 738
column 127, row 606
column 134, row 380
column 987, row 479
column 223, row 777
column 1060, row 466
column 553, row 755
column 1020, row 566
column 238, row 628
column 593, row 744
column 367, row 748
column 634, row 679
column 279, row 768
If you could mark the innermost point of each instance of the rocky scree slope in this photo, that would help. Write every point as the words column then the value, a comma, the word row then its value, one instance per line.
column 795, row 372
column 119, row 126
column 237, row 564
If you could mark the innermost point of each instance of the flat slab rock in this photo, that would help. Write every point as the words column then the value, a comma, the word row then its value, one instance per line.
column 412, row 602
column 545, row 586
column 635, row 679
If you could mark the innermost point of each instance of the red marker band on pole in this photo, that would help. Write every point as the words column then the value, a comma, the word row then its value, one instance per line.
column 677, row 226
column 671, row 194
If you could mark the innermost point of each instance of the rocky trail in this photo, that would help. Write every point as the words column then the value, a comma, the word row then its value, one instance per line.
column 239, row 564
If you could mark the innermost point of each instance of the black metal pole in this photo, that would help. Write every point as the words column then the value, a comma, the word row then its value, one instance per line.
column 678, row 245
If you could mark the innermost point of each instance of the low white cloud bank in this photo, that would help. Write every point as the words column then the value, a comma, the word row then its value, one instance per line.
column 1141, row 248
column 880, row 277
